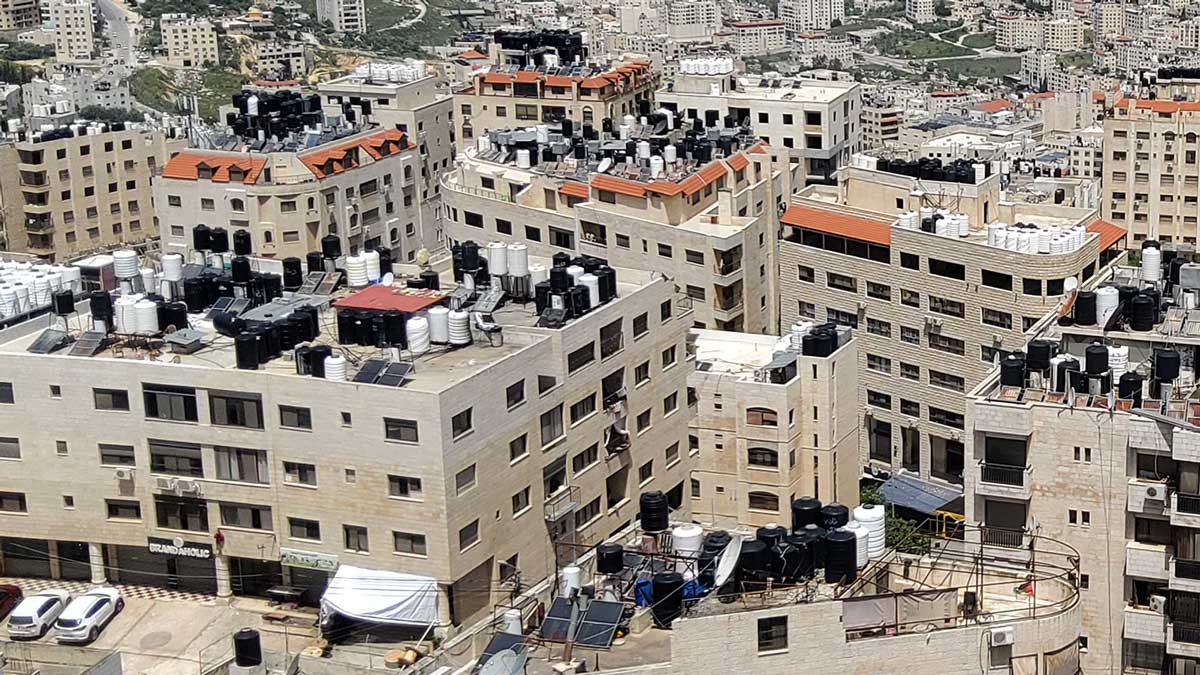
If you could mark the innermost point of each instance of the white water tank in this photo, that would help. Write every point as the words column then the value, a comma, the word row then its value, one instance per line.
column 172, row 267
column 537, row 274
column 125, row 263
column 643, row 149
column 335, row 367
column 1151, row 265
column 575, row 271
column 356, row 271
column 1118, row 360
column 145, row 314
column 523, row 159
column 149, row 284
column 862, row 538
column 623, row 132
column 497, row 255
column 994, row 232
column 124, row 319
column 542, row 134
column 572, row 579
column 656, row 167
column 512, row 622
column 687, row 541
column 592, row 283
column 41, row 291
column 670, row 154
column 439, row 325
column 8, row 301
column 459, row 328
column 371, row 257
column 518, row 260
column 871, row 516
column 416, row 330
column 1107, row 300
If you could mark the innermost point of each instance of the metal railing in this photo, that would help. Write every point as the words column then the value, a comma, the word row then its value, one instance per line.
column 1185, row 632
column 1187, row 503
column 734, row 305
column 1187, row 569
column 725, row 268
column 998, row 536
column 1002, row 474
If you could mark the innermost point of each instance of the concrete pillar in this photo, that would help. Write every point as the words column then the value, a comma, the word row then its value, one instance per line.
column 285, row 575
column 96, row 562
column 55, row 564
column 221, row 562
column 443, row 630
column 115, row 573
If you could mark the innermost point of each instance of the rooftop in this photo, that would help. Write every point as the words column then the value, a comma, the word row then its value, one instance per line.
column 743, row 355
column 794, row 90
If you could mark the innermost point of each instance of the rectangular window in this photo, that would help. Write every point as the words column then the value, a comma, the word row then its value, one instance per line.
column 910, row 298
column 584, row 459
column 881, row 364
column 946, row 306
column 879, row 399
column 583, row 407
column 468, row 536
column 400, row 430
column 805, row 273
column 581, row 357
column 668, row 357
column 404, row 487
column 946, row 344
column 355, row 538
column 472, row 219
column 117, row 455
column 910, row 261
column 120, row 509
column 950, row 270
column 562, row 238
column 106, row 399
column 552, row 425
column 241, row 464
column 176, row 459
column 461, row 423
column 641, row 325
column 409, row 543
column 295, row 417
column 946, row 380
column 12, row 502
column 909, row 371
column 170, row 403
column 992, row 317
column 587, row 513
column 1031, row 286
column 772, row 634
column 518, row 447
column 302, row 528
column 910, row 335
column 996, row 279
column 610, row 339
column 299, row 473
column 247, row 515
column 464, row 480
column 945, row 417
column 670, row 403
column 646, row 472
column 879, row 291
column 643, row 420
column 664, row 250
column 641, row 373
column 841, row 282
column 174, row 513
column 880, row 328
column 911, row 408
column 841, row 318
column 514, row 394
column 694, row 257
column 235, row 410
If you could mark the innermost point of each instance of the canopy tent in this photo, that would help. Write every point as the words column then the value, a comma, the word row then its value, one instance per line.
column 381, row 596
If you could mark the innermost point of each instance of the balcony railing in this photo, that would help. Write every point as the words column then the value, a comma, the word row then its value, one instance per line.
column 1185, row 632
column 1003, row 474
column 1187, row 569
column 731, row 306
column 1003, row 537
column 1187, row 504
column 727, row 267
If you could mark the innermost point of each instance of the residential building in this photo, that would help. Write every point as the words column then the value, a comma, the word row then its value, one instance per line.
column 771, row 423
column 932, row 311
column 837, row 51
column 285, row 60
column 84, row 189
column 346, row 16
column 1108, row 19
column 880, row 124
column 752, row 38
column 19, row 14
column 1087, row 152
column 1018, row 32
column 692, row 19
column 74, row 35
column 919, row 11
column 501, row 99
column 803, row 16
column 272, row 477
column 106, row 87
column 815, row 122
column 191, row 42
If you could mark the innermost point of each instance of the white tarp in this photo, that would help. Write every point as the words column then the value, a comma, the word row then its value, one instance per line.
column 381, row 596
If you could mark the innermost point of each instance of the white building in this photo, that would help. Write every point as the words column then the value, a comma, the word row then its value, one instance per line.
column 802, row 16
column 919, row 11
column 74, row 36
column 346, row 16
column 191, row 42
column 287, row 60
column 751, row 38
column 693, row 19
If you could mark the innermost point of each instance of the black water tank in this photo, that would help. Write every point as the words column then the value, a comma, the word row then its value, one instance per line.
column 841, row 551
column 1085, row 308
column 834, row 515
column 240, row 269
column 716, row 540
column 316, row 360
column 385, row 260
column 245, row 348
column 218, row 240
column 63, row 303
column 560, row 280
column 608, row 282
column 247, row 650
column 805, row 511
column 1166, row 364
column 814, row 535
column 393, row 329
column 1012, row 371
column 470, row 256
column 560, row 259
column 1147, row 243
column 174, row 314
column 314, row 262
column 101, row 305
column 288, row 337
column 1040, row 353
column 771, row 534
column 228, row 324
column 431, row 280
column 243, row 243
column 274, row 344
column 1065, row 368
column 804, row 565
column 581, row 302
column 541, row 296
column 314, row 319
column 272, row 285
column 1141, row 313
column 331, row 246
column 754, row 564
column 201, row 238
column 293, row 273
column 1095, row 358
column 1130, row 386
column 654, row 513
column 610, row 558
column 666, row 596
column 195, row 294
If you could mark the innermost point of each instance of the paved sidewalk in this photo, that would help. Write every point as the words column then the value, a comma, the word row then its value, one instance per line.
column 30, row 586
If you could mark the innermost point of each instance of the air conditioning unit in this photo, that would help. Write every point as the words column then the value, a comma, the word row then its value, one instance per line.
column 123, row 474
column 187, row 486
column 164, row 484
column 1158, row 604
column 1154, row 493
column 1001, row 637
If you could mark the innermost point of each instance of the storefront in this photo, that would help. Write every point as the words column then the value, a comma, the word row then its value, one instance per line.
column 173, row 563
column 25, row 557
column 248, row 576
column 308, row 572
column 73, row 561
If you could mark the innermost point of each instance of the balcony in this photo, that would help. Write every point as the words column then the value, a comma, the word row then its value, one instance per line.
column 1183, row 639
column 1185, row 510
column 726, row 309
column 1145, row 625
column 999, row 536
column 1148, row 497
column 728, row 271
column 1003, row 480
column 1148, row 561
column 1185, row 575
column 39, row 225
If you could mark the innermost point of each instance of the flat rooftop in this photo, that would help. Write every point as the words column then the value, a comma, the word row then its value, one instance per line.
column 741, row 355
column 793, row 90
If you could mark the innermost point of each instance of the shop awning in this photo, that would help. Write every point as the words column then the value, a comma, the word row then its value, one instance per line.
column 381, row 596
column 913, row 492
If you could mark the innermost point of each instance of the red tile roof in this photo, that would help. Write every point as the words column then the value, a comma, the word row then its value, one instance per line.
column 471, row 54
column 385, row 298
column 561, row 80
column 528, row 76
column 1158, row 106
column 1039, row 96
column 993, row 107
column 573, row 189
column 860, row 228
column 760, row 148
column 496, row 78
column 1109, row 233
column 619, row 185
column 186, row 166
column 738, row 162
column 325, row 162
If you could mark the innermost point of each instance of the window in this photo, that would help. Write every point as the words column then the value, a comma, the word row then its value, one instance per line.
column 646, row 472
column 1031, row 286
column 117, row 455
column 950, row 270
column 945, row 417
column 241, row 464
column 106, row 399
column 247, row 515
column 546, row 383
column 562, row 238
column 762, row 417
column 946, row 344
column 910, row 371
column 464, row 480
column 641, row 373
column 176, row 459
column 668, row 357
column 299, row 473
column 992, row 317
column 355, row 538
column 672, row 454
column 583, row 407
column 762, row 457
column 468, row 536
column 400, row 430
column 174, row 513
column 910, row 298
column 911, row 408
column 880, row 328
column 295, row 417
column 514, row 394
column 910, row 335
column 670, row 403
column 764, row 501
column 518, row 448
column 552, row 425
column 120, row 509
column 879, row 291
column 946, row 381
column 841, row 282
column 910, row 261
column 461, row 423
column 472, row 219
column 695, row 489
column 55, row 391
column 695, row 292
column 772, row 634
column 946, row 306
column 581, row 357
column 610, row 339
column 585, row 459
column 587, row 513
column 880, row 364
column 533, row 233
column 805, row 273
column 996, row 279
column 302, row 528
column 12, row 502
column 235, row 410
column 170, row 403
column 643, row 420
column 694, row 257
column 879, row 399
column 640, row 325
column 409, row 543
column 664, row 311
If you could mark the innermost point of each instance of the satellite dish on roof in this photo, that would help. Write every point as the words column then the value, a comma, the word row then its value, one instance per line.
column 504, row 662
column 423, row 257
column 1070, row 285
column 728, row 561
column 605, row 165
column 388, row 279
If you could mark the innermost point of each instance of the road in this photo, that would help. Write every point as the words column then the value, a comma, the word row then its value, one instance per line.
column 121, row 25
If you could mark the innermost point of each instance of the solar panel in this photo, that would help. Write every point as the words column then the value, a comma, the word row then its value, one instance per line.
column 488, row 303
column 51, row 339
column 558, row 621
column 239, row 305
column 220, row 305
column 327, row 284
column 88, row 344
column 599, row 623
column 311, row 281
column 370, row 371
column 498, row 643
column 395, row 375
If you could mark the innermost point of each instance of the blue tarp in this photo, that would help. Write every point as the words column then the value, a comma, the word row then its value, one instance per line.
column 909, row 491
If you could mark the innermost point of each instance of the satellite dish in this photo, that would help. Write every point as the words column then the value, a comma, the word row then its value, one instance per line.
column 388, row 279
column 504, row 662
column 728, row 561
column 423, row 256
column 605, row 165
column 1070, row 285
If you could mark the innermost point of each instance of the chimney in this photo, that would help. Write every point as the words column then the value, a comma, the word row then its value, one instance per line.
column 725, row 206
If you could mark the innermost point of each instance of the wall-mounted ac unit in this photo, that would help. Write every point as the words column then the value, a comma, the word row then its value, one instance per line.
column 187, row 486
column 1154, row 493
column 164, row 484
column 123, row 474
column 1001, row 637
column 1158, row 604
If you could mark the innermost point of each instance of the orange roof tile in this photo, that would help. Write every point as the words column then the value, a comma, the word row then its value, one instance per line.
column 1039, row 96
column 871, row 230
column 560, row 80
column 993, row 107
column 594, row 83
column 1098, row 96
column 1158, row 106
column 573, row 189
column 186, row 166
column 528, row 76
column 1109, row 233
column 618, row 185
column 325, row 162
column 738, row 162
column 760, row 148
column 472, row 55
column 497, row 78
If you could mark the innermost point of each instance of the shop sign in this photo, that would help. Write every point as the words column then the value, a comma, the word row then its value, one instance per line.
column 308, row 560
column 180, row 548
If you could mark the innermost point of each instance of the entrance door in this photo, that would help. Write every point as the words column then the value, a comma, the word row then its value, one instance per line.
column 74, row 561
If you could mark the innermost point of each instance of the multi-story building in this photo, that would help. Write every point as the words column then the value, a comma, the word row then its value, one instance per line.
column 838, row 51
column 815, row 122
column 346, row 16
column 1036, row 67
column 1017, row 32
column 750, row 462
column 692, row 19
column 286, row 60
column 752, row 38
column 802, row 16
column 919, row 11
column 19, row 14
column 1151, row 170
column 74, row 34
column 706, row 222
column 503, row 98
column 363, row 189
column 269, row 476
column 1108, row 19
column 106, row 87
column 191, row 42
column 880, row 124
column 1087, row 152
column 86, row 188
column 937, row 308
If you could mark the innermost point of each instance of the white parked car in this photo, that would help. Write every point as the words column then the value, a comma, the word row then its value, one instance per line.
column 88, row 614
column 36, row 613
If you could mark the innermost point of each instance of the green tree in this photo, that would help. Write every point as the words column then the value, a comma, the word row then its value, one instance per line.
column 103, row 114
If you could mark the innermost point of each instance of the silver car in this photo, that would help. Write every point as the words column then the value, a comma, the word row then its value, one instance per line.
column 88, row 614
column 36, row 613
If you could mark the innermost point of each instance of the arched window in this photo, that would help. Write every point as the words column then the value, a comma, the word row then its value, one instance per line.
column 587, row 114
column 762, row 417
column 1169, row 136
column 1191, row 137
column 764, row 501
column 237, row 205
column 408, row 172
column 268, row 237
column 762, row 457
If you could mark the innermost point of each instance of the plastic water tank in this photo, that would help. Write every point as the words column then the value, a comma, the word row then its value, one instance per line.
column 592, row 283
column 125, row 263
column 416, row 329
column 1085, row 308
column 834, row 516
column 439, row 325
column 861, row 536
column 610, row 558
column 654, row 513
column 497, row 254
column 666, row 597
column 459, row 328
column 805, row 511
column 1141, row 312
column 518, row 260
column 172, row 267
column 1118, row 359
column 335, row 367
column 572, row 579
column 687, row 540
column 356, row 271
column 841, row 557
column 1108, row 298
column 871, row 517
column 246, row 351
column 1166, row 364
column 1151, row 264
column 145, row 314
column 371, row 258
column 247, row 648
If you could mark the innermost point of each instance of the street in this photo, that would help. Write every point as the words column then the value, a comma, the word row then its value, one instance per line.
column 120, row 23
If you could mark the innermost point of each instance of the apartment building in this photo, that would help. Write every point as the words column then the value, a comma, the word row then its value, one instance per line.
column 919, row 11
column 191, row 42
column 286, row 60
column 707, row 223
column 106, row 87
column 346, row 16
column 837, row 51
column 1151, row 170
column 751, row 463
column 19, row 14
column 937, row 308
column 1087, row 152
column 1108, row 19
column 1018, row 32
column 363, row 189
column 507, row 97
column 752, row 38
column 268, row 476
column 802, row 16
column 80, row 188
column 880, row 124
column 815, row 122
column 692, row 19
column 74, row 34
